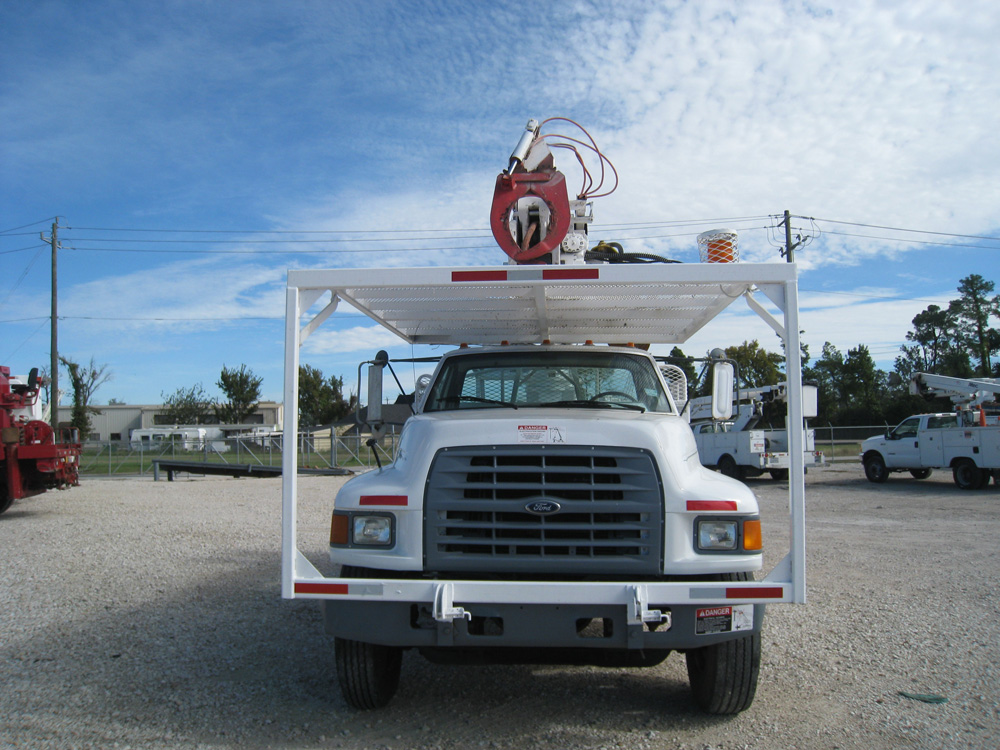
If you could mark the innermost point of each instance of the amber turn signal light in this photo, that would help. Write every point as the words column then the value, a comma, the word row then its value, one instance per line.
column 339, row 527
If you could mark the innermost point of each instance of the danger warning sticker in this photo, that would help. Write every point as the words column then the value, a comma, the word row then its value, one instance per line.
column 723, row 619
column 540, row 433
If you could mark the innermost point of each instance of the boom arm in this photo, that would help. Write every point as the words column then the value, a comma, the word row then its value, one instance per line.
column 962, row 392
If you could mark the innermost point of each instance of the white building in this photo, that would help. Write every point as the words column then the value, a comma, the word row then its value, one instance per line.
column 116, row 422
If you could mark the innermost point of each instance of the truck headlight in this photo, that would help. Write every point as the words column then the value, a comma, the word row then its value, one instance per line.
column 717, row 535
column 362, row 529
column 375, row 531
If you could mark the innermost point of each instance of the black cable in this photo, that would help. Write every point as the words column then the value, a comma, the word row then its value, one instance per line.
column 913, row 242
column 611, row 257
column 900, row 229
column 25, row 226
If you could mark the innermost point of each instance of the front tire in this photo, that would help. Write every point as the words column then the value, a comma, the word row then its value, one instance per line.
column 368, row 672
column 967, row 475
column 875, row 468
column 729, row 467
column 724, row 675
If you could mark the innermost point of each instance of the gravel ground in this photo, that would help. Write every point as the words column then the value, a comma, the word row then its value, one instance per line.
column 141, row 614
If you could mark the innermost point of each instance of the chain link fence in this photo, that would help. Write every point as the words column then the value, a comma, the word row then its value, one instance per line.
column 126, row 459
column 843, row 443
column 122, row 458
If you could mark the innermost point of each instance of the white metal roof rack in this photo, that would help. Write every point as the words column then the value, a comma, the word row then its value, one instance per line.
column 620, row 303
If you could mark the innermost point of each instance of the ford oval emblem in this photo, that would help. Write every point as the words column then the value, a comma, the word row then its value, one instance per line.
column 543, row 507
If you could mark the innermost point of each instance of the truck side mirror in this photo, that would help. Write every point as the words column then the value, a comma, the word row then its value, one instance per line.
column 33, row 379
column 810, row 401
column 375, row 387
column 722, row 390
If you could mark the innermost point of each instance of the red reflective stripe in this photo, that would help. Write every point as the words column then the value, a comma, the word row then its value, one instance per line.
column 478, row 275
column 711, row 505
column 571, row 273
column 774, row 592
column 383, row 500
column 320, row 588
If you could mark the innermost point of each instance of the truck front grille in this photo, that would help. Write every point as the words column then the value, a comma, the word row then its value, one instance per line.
column 483, row 511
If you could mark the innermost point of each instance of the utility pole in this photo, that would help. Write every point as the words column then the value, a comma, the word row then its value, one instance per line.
column 54, row 361
column 789, row 251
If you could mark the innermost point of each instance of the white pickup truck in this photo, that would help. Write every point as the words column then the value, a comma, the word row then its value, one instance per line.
column 546, row 502
column 925, row 442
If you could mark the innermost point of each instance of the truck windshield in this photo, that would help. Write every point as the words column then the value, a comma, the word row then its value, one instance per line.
column 547, row 378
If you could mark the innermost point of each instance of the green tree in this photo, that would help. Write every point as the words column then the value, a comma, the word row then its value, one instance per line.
column 321, row 399
column 186, row 406
column 931, row 337
column 85, row 380
column 241, row 388
column 826, row 373
column 972, row 313
column 863, row 388
column 686, row 363
column 757, row 365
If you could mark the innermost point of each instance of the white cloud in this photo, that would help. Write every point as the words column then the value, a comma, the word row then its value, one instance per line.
column 399, row 116
column 367, row 339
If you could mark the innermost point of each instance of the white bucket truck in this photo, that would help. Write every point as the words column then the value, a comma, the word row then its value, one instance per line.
column 546, row 502
column 967, row 441
column 739, row 447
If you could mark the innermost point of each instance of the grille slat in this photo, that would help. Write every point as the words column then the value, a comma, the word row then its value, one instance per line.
column 609, row 521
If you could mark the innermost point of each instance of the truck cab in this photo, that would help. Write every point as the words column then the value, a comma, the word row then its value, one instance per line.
column 529, row 461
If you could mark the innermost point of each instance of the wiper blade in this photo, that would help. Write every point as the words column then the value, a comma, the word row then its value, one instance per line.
column 479, row 400
column 587, row 404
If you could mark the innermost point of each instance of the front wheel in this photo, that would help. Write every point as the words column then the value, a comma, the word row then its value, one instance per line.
column 875, row 468
column 368, row 672
column 967, row 475
column 729, row 467
column 724, row 675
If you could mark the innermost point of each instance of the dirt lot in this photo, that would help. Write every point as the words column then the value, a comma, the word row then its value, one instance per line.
column 141, row 614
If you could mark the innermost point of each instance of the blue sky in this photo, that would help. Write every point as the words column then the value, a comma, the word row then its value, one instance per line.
column 375, row 126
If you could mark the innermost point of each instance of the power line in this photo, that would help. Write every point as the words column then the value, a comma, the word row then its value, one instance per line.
column 368, row 251
column 20, row 249
column 913, row 242
column 900, row 229
column 24, row 273
column 171, row 320
column 27, row 338
column 365, row 251
column 25, row 226
column 486, row 231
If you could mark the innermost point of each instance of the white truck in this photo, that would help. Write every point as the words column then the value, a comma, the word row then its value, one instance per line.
column 546, row 501
column 738, row 447
column 965, row 441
